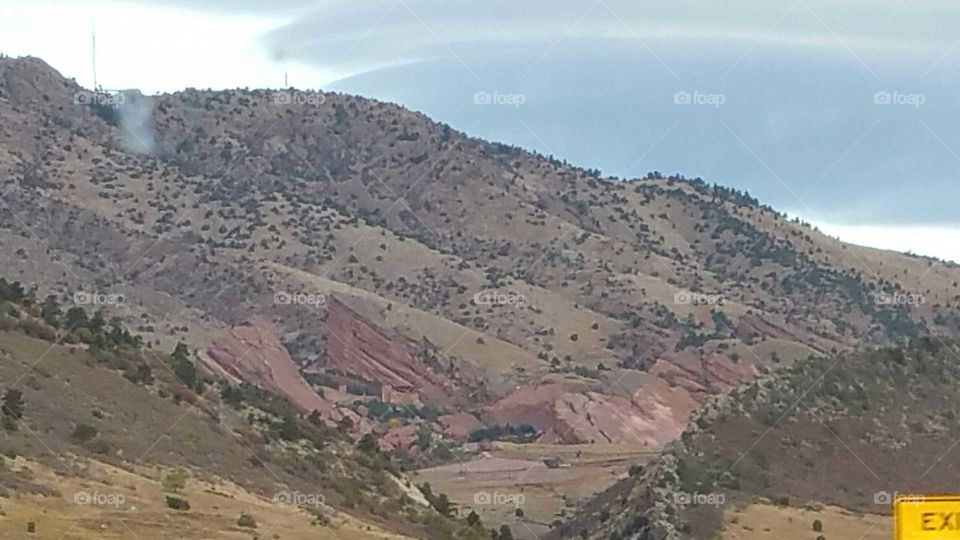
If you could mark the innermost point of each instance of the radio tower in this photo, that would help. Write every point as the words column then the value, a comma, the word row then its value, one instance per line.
column 93, row 42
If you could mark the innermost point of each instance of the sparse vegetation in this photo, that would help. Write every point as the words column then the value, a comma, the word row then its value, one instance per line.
column 176, row 503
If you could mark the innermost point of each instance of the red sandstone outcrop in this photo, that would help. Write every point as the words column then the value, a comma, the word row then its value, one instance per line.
column 571, row 414
column 402, row 438
column 253, row 353
column 708, row 374
column 531, row 404
column 357, row 347
column 458, row 427
column 653, row 418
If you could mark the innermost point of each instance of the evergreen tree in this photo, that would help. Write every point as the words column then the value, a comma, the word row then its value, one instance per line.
column 473, row 519
column 13, row 403
column 12, row 291
column 183, row 368
column 97, row 323
column 50, row 311
column 75, row 318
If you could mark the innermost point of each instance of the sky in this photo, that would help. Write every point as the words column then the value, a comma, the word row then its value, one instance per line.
column 839, row 111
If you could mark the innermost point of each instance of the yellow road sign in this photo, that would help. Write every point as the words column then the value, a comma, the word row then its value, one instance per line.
column 927, row 517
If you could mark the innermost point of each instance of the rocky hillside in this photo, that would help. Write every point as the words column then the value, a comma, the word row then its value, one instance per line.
column 847, row 432
column 408, row 273
column 102, row 436
column 205, row 208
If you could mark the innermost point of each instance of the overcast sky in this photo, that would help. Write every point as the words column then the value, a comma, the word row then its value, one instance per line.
column 840, row 111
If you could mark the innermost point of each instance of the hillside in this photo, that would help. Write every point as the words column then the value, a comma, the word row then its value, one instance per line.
column 440, row 291
column 829, row 440
column 95, row 427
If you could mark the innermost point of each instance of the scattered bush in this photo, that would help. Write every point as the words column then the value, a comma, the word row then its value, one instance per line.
column 84, row 432
column 246, row 520
column 177, row 503
column 174, row 481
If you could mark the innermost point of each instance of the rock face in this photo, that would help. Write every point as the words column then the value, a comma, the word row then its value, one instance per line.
column 401, row 438
column 654, row 415
column 357, row 347
column 458, row 427
column 651, row 419
column 253, row 353
column 703, row 375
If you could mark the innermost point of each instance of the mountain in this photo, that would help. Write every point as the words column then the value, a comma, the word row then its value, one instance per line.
column 469, row 304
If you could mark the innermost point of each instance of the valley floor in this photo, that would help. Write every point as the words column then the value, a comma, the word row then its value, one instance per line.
column 513, row 476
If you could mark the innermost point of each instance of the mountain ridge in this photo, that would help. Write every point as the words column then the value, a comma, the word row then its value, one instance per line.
column 505, row 272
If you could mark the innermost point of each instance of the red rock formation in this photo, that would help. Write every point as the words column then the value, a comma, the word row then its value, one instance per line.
column 389, row 395
column 458, row 427
column 252, row 353
column 357, row 347
column 402, row 438
column 532, row 404
column 655, row 415
column 703, row 375
column 571, row 414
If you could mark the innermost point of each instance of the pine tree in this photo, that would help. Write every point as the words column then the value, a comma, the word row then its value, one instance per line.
column 183, row 368
column 473, row 519
column 75, row 318
column 97, row 322
column 50, row 311
column 13, row 404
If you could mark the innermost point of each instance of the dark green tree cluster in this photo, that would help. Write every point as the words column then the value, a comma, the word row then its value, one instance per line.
column 439, row 501
column 93, row 330
column 13, row 291
column 79, row 326
column 518, row 433
column 12, row 408
column 291, row 426
column 184, row 369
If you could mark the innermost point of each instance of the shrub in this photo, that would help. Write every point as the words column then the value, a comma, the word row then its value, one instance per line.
column 174, row 481
column 246, row 520
column 13, row 403
column 38, row 330
column 177, row 503
column 473, row 519
column 84, row 432
column 101, row 447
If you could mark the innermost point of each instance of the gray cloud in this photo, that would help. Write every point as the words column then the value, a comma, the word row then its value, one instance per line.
column 384, row 32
